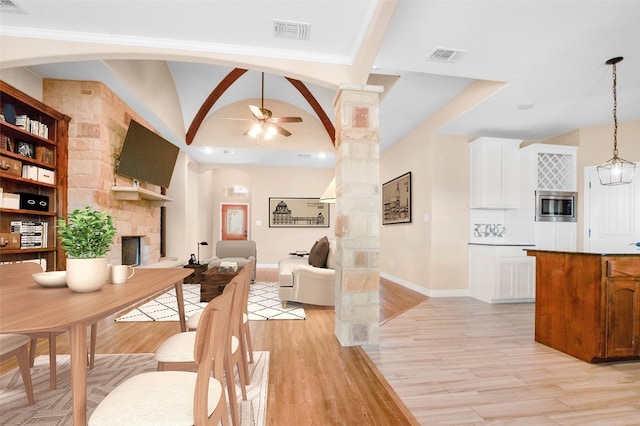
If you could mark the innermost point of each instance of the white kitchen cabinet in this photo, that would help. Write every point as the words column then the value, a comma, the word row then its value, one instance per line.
column 549, row 167
column 515, row 278
column 499, row 274
column 495, row 173
column 560, row 236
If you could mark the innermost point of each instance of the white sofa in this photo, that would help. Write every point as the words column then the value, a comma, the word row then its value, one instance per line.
column 301, row 282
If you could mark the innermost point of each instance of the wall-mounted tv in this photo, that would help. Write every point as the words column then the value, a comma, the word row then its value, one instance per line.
column 146, row 156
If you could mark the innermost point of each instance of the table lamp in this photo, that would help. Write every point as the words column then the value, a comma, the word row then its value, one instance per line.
column 202, row 243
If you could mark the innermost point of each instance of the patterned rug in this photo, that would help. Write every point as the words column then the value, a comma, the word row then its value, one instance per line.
column 54, row 407
column 264, row 304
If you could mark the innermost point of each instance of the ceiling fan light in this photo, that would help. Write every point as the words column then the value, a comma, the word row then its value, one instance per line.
column 255, row 130
column 271, row 131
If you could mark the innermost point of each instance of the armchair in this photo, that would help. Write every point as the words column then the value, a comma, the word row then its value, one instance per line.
column 241, row 252
column 302, row 282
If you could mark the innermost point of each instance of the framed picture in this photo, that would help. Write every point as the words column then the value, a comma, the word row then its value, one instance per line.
column 26, row 148
column 298, row 213
column 396, row 200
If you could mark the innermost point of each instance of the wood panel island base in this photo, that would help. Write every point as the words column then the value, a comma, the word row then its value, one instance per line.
column 588, row 304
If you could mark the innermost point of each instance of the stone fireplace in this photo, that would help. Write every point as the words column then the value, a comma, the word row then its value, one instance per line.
column 99, row 122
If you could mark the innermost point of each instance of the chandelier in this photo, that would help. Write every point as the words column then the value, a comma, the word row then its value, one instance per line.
column 615, row 171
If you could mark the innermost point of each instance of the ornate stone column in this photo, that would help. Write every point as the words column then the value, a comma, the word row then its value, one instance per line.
column 358, row 215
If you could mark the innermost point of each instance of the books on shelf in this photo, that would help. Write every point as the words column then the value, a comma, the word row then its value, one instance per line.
column 33, row 234
column 32, row 126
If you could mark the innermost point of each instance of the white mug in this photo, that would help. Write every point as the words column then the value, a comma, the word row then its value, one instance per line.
column 119, row 273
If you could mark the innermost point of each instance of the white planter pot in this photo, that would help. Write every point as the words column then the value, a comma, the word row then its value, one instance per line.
column 85, row 275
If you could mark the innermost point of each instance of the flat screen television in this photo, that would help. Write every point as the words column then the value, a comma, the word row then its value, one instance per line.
column 146, row 156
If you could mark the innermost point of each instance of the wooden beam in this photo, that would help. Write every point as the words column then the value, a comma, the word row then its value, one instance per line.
column 222, row 87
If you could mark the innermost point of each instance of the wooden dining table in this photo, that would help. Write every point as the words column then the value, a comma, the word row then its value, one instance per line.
column 27, row 307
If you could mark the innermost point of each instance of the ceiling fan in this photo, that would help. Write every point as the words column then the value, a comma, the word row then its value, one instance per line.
column 266, row 123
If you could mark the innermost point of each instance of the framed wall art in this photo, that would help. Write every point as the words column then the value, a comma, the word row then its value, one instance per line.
column 27, row 149
column 298, row 213
column 396, row 200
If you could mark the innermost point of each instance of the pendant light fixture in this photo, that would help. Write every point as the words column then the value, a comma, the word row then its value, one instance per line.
column 615, row 171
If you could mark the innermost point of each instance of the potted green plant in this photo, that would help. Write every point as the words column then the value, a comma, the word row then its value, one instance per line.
column 86, row 235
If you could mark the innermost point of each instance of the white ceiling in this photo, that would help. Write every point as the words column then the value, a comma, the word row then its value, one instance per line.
column 550, row 54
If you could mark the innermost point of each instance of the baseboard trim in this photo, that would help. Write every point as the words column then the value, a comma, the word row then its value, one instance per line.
column 425, row 291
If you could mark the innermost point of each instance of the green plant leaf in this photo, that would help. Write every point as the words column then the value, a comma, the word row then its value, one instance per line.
column 86, row 233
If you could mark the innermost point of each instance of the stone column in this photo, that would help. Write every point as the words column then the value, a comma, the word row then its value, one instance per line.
column 358, row 215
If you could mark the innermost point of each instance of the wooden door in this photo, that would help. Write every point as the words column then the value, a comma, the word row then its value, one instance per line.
column 234, row 221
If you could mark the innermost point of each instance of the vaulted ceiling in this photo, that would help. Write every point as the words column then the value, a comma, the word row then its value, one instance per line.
column 167, row 58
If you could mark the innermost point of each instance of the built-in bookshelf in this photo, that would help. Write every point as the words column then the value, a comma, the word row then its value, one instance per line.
column 33, row 177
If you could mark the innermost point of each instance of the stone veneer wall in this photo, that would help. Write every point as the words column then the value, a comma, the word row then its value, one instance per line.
column 358, row 216
column 99, row 122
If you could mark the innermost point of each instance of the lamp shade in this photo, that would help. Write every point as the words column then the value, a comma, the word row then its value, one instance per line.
column 329, row 194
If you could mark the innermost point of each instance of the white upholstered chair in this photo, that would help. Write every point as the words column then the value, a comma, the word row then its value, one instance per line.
column 177, row 397
column 16, row 345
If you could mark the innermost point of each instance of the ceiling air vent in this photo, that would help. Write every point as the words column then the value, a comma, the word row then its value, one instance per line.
column 9, row 6
column 443, row 54
column 292, row 30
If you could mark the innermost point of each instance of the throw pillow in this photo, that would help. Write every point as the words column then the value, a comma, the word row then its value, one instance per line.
column 319, row 252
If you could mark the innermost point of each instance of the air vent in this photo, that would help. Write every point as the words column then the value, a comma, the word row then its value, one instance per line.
column 292, row 30
column 9, row 6
column 443, row 54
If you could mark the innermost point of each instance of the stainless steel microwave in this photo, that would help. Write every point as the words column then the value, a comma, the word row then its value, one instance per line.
column 556, row 206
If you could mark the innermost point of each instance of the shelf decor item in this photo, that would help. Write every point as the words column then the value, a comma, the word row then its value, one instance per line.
column 86, row 236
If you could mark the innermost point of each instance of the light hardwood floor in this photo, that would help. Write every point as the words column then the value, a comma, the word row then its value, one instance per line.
column 449, row 361
column 465, row 362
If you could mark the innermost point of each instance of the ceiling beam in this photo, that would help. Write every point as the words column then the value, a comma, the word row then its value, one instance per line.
column 219, row 90
column 231, row 78
column 324, row 119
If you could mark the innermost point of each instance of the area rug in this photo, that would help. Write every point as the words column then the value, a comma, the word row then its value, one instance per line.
column 54, row 407
column 264, row 304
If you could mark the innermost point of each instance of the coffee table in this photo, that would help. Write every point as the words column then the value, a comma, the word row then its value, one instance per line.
column 213, row 282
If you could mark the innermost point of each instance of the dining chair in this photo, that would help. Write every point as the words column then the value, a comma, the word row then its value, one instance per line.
column 244, row 335
column 20, row 274
column 16, row 345
column 245, row 341
column 174, row 353
column 177, row 397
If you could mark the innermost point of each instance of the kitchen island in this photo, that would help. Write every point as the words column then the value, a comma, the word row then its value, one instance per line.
column 588, row 304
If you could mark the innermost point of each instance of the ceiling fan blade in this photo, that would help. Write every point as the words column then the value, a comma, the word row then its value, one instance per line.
column 286, row 120
column 282, row 130
column 257, row 112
